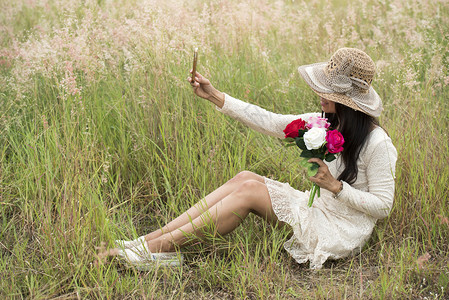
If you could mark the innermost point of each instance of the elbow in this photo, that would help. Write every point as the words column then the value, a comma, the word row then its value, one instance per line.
column 382, row 214
column 383, row 211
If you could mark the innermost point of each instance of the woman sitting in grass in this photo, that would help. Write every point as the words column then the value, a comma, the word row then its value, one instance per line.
column 357, row 187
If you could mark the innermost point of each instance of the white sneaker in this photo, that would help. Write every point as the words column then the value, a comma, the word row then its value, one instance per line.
column 123, row 244
column 142, row 259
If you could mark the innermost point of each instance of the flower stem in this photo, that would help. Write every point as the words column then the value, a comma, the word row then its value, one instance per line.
column 313, row 191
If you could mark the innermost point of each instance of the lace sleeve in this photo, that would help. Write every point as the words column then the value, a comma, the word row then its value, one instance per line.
column 258, row 118
column 378, row 200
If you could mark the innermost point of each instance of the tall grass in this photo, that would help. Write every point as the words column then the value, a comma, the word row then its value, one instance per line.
column 102, row 138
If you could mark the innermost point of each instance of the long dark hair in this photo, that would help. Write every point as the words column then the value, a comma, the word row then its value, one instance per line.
column 355, row 126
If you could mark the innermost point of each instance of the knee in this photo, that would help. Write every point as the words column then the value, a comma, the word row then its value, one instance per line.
column 253, row 195
column 250, row 189
column 244, row 176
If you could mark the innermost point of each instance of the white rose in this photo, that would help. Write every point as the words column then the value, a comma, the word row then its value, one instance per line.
column 315, row 138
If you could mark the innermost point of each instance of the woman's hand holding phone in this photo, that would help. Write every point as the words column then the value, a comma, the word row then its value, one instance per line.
column 202, row 86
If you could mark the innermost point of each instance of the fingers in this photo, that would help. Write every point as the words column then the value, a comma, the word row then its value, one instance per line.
column 196, row 73
column 315, row 180
column 193, row 83
column 198, row 77
column 323, row 175
column 319, row 178
column 322, row 170
column 323, row 178
column 318, row 161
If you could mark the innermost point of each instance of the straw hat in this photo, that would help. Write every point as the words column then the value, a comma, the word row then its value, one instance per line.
column 345, row 79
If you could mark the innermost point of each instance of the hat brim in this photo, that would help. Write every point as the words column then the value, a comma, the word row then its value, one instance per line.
column 369, row 103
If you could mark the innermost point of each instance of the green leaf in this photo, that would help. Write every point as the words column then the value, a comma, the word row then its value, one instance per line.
column 312, row 169
column 289, row 140
column 301, row 133
column 300, row 143
column 318, row 153
column 330, row 157
column 304, row 163
column 306, row 154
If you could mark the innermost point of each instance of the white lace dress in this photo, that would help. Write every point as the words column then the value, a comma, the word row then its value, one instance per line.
column 332, row 227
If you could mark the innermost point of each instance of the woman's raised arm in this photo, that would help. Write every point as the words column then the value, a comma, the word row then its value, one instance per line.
column 251, row 115
column 259, row 119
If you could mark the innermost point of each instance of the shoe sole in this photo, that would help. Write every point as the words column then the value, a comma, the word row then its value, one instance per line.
column 155, row 262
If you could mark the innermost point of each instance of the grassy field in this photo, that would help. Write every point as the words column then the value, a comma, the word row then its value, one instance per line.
column 102, row 138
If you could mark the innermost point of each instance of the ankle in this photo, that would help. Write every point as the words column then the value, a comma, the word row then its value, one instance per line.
column 156, row 234
column 151, row 236
column 161, row 244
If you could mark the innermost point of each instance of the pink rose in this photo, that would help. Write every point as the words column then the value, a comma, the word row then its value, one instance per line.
column 335, row 141
column 317, row 122
column 292, row 129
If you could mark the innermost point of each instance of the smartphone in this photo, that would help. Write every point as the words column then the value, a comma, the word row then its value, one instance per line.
column 195, row 59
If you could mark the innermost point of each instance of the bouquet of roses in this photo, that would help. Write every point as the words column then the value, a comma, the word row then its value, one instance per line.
column 315, row 141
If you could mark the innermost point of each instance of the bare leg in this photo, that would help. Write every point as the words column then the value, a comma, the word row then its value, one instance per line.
column 225, row 216
column 206, row 203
